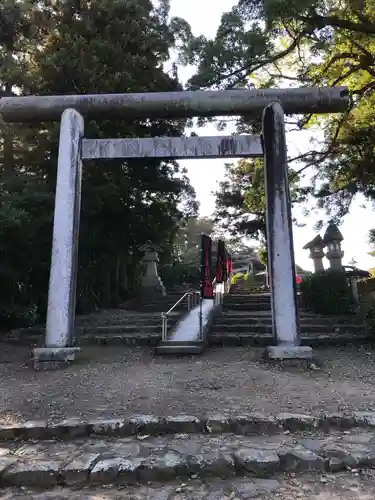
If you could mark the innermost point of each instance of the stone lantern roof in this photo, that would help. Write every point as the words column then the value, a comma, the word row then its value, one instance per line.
column 150, row 247
column 332, row 234
column 317, row 242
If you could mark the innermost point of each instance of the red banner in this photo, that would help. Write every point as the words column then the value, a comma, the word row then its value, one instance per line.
column 229, row 267
column 220, row 262
column 206, row 279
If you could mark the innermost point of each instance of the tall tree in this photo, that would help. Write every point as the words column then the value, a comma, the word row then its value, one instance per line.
column 116, row 46
column 306, row 42
column 91, row 47
column 22, row 24
column 241, row 200
column 188, row 239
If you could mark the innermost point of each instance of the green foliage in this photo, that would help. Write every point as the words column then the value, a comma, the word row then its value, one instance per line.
column 187, row 247
column 270, row 43
column 237, row 277
column 187, row 243
column 25, row 245
column 366, row 291
column 368, row 310
column 263, row 255
column 18, row 316
column 241, row 199
column 86, row 47
column 179, row 274
column 366, row 287
column 327, row 293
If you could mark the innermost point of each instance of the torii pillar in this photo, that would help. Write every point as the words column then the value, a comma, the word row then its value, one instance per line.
column 285, row 321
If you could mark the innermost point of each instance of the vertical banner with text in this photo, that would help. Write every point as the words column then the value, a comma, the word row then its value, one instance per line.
column 206, row 280
column 220, row 262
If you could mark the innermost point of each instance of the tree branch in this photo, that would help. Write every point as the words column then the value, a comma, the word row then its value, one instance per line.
column 319, row 21
column 262, row 63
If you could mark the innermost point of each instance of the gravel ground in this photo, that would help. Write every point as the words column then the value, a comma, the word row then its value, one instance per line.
column 117, row 381
column 343, row 486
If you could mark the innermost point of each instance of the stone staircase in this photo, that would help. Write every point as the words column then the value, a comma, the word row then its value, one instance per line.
column 246, row 319
column 136, row 323
column 158, row 305
column 248, row 302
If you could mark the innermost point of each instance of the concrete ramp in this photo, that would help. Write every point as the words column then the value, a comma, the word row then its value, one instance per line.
column 185, row 338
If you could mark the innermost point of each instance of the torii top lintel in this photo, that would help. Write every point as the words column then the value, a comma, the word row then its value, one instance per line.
column 174, row 104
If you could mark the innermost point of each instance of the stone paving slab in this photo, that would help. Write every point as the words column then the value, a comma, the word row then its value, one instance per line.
column 145, row 459
column 233, row 489
column 351, row 485
column 246, row 424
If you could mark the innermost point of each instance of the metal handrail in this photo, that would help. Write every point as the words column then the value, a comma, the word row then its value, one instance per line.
column 194, row 299
column 177, row 303
column 192, row 302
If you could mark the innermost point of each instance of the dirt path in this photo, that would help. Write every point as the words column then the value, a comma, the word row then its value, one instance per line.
column 118, row 381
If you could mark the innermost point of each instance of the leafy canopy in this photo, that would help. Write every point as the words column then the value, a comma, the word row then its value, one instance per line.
column 305, row 42
column 69, row 47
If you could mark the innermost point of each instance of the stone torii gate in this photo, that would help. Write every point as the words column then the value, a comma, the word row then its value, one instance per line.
column 75, row 148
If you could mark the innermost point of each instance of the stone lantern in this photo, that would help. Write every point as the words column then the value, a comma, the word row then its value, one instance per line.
column 333, row 238
column 316, row 252
column 151, row 284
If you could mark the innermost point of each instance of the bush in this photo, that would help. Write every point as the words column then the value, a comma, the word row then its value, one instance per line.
column 236, row 277
column 368, row 310
column 179, row 274
column 366, row 287
column 327, row 293
column 18, row 316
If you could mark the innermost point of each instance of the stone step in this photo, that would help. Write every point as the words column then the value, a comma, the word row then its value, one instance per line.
column 121, row 339
column 247, row 307
column 159, row 308
column 304, row 328
column 154, row 307
column 214, row 339
column 254, row 319
column 192, row 488
column 107, row 318
column 247, row 297
column 144, row 325
column 142, row 459
column 253, row 299
column 231, row 339
column 314, row 340
column 243, row 294
column 302, row 314
column 345, row 485
column 114, row 329
column 251, row 423
column 180, row 348
column 258, row 327
column 100, row 334
column 168, row 299
column 141, row 339
column 229, row 326
column 141, row 320
column 229, row 300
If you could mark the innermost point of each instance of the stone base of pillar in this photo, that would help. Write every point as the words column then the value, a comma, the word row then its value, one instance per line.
column 286, row 351
column 53, row 358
